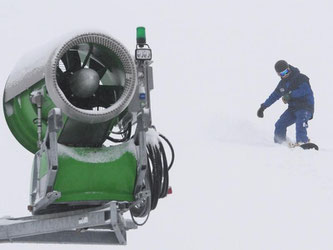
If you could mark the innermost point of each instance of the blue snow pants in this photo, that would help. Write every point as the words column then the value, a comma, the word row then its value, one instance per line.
column 288, row 118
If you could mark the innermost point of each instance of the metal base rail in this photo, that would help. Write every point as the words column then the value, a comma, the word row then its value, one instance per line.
column 103, row 225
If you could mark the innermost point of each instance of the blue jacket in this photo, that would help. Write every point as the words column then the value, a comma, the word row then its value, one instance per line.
column 298, row 86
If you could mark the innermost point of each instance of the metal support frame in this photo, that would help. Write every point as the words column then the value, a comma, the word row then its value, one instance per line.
column 141, row 114
column 144, row 121
column 37, row 99
column 102, row 225
column 42, row 187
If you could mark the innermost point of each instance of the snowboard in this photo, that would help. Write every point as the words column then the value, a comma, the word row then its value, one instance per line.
column 309, row 145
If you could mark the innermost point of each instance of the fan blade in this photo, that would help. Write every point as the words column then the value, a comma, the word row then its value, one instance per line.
column 61, row 78
column 108, row 95
column 99, row 68
column 71, row 60
column 87, row 56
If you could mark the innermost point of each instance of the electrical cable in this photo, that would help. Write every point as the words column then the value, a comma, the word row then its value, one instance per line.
column 126, row 134
column 165, row 186
column 159, row 170
column 157, row 174
column 136, row 222
column 171, row 148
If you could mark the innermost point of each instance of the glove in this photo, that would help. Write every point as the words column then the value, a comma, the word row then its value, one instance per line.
column 286, row 98
column 260, row 112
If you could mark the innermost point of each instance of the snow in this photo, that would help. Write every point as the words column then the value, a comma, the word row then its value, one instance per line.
column 105, row 154
column 152, row 137
column 7, row 221
column 233, row 188
column 30, row 68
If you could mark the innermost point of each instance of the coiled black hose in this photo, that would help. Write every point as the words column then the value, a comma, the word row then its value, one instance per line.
column 171, row 148
column 159, row 170
column 157, row 174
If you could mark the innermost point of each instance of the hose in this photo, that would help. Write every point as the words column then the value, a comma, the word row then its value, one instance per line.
column 159, row 170
column 126, row 134
column 157, row 177
column 171, row 148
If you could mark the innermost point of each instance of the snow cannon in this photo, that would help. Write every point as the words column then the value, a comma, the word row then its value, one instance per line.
column 90, row 77
column 81, row 105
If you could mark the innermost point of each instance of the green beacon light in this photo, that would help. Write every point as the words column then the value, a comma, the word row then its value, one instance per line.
column 142, row 52
column 141, row 36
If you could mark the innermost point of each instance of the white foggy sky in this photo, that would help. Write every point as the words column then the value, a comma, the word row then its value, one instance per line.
column 213, row 64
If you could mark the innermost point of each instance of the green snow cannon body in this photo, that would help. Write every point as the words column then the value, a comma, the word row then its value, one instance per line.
column 62, row 103
column 87, row 174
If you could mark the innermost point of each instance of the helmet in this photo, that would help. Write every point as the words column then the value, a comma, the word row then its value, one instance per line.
column 281, row 65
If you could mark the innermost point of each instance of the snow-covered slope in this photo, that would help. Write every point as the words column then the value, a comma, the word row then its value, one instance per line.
column 233, row 187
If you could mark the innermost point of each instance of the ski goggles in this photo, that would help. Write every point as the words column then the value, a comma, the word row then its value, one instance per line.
column 285, row 72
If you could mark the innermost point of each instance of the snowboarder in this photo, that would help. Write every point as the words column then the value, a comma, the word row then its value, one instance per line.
column 295, row 90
